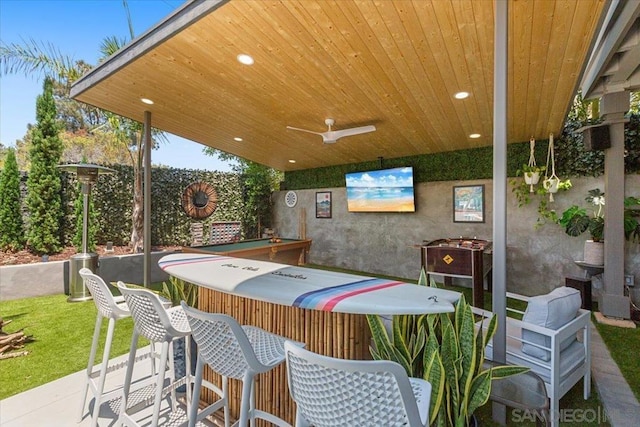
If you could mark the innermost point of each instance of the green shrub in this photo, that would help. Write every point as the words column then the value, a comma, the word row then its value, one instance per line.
column 11, row 226
column 44, row 185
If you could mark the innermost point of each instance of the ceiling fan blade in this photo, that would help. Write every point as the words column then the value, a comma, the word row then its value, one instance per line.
column 337, row 134
column 304, row 130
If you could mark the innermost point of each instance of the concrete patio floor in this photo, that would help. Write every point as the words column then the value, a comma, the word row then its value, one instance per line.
column 57, row 403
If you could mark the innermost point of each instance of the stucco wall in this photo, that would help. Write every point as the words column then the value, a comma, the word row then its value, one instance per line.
column 538, row 260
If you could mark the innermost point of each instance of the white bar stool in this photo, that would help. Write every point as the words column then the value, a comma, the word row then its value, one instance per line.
column 337, row 392
column 114, row 309
column 233, row 351
column 161, row 326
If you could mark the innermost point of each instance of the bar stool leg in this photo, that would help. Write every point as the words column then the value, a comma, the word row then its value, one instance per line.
column 252, row 402
column 245, row 404
column 103, row 372
column 164, row 357
column 172, row 374
column 225, row 393
column 153, row 358
column 193, row 408
column 127, row 379
column 188, row 373
column 92, row 358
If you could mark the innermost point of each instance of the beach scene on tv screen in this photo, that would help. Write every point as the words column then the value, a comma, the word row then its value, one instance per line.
column 388, row 190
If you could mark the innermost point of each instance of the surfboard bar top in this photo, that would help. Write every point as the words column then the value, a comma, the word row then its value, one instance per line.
column 307, row 287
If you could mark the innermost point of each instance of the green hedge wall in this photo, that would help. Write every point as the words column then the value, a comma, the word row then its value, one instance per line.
column 571, row 161
column 112, row 197
column 470, row 164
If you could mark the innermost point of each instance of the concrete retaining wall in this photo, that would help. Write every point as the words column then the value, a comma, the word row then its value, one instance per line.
column 31, row 280
column 50, row 278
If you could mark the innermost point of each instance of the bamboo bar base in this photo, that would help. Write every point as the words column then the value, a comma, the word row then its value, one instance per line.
column 342, row 335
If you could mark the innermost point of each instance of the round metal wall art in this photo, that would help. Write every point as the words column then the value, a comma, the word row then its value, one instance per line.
column 291, row 198
column 199, row 200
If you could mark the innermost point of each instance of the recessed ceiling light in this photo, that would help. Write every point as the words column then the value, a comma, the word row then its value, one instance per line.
column 461, row 95
column 146, row 101
column 474, row 135
column 292, row 161
column 237, row 138
column 245, row 59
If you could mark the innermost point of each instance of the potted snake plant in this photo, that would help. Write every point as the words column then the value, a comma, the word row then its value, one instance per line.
column 446, row 350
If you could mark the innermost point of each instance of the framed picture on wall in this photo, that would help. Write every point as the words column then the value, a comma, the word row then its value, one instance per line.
column 468, row 203
column 323, row 204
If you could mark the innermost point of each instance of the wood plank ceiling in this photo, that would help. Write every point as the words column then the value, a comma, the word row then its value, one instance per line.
column 393, row 64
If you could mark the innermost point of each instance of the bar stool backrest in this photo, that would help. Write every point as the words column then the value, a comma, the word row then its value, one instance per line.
column 102, row 297
column 330, row 391
column 222, row 343
column 149, row 315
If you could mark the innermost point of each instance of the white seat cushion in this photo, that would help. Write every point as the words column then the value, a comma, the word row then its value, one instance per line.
column 552, row 311
column 570, row 359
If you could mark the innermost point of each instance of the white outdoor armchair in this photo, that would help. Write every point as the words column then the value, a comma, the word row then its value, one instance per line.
column 332, row 392
column 554, row 341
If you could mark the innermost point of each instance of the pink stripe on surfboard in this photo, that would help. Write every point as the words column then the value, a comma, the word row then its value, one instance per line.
column 330, row 304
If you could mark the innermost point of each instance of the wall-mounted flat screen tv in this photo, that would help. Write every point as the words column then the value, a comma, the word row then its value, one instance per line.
column 387, row 190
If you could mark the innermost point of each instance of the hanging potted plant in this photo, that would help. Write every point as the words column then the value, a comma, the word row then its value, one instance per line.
column 552, row 184
column 532, row 175
column 531, row 171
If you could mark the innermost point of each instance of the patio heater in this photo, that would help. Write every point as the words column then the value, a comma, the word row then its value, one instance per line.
column 87, row 176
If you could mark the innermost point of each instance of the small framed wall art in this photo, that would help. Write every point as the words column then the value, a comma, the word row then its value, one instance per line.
column 323, row 204
column 468, row 203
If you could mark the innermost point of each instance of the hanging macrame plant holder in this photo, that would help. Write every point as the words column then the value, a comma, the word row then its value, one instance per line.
column 550, row 183
column 532, row 176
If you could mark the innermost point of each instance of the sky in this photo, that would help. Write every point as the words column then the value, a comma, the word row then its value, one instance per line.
column 76, row 28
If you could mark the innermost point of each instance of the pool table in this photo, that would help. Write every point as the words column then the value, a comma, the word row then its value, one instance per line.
column 287, row 251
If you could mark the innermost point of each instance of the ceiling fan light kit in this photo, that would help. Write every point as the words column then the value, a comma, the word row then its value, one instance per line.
column 331, row 136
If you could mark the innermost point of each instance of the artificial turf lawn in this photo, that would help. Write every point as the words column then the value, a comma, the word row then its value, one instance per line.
column 62, row 333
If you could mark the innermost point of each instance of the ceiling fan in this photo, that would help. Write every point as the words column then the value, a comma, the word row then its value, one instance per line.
column 331, row 136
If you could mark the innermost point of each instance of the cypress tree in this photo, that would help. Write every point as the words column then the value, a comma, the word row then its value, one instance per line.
column 43, row 184
column 11, row 226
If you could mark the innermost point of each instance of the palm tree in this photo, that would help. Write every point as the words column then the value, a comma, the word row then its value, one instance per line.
column 45, row 60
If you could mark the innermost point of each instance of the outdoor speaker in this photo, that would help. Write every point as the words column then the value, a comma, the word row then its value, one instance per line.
column 596, row 138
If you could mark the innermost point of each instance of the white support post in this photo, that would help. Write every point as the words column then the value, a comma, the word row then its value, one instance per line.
column 499, row 270
column 147, row 200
